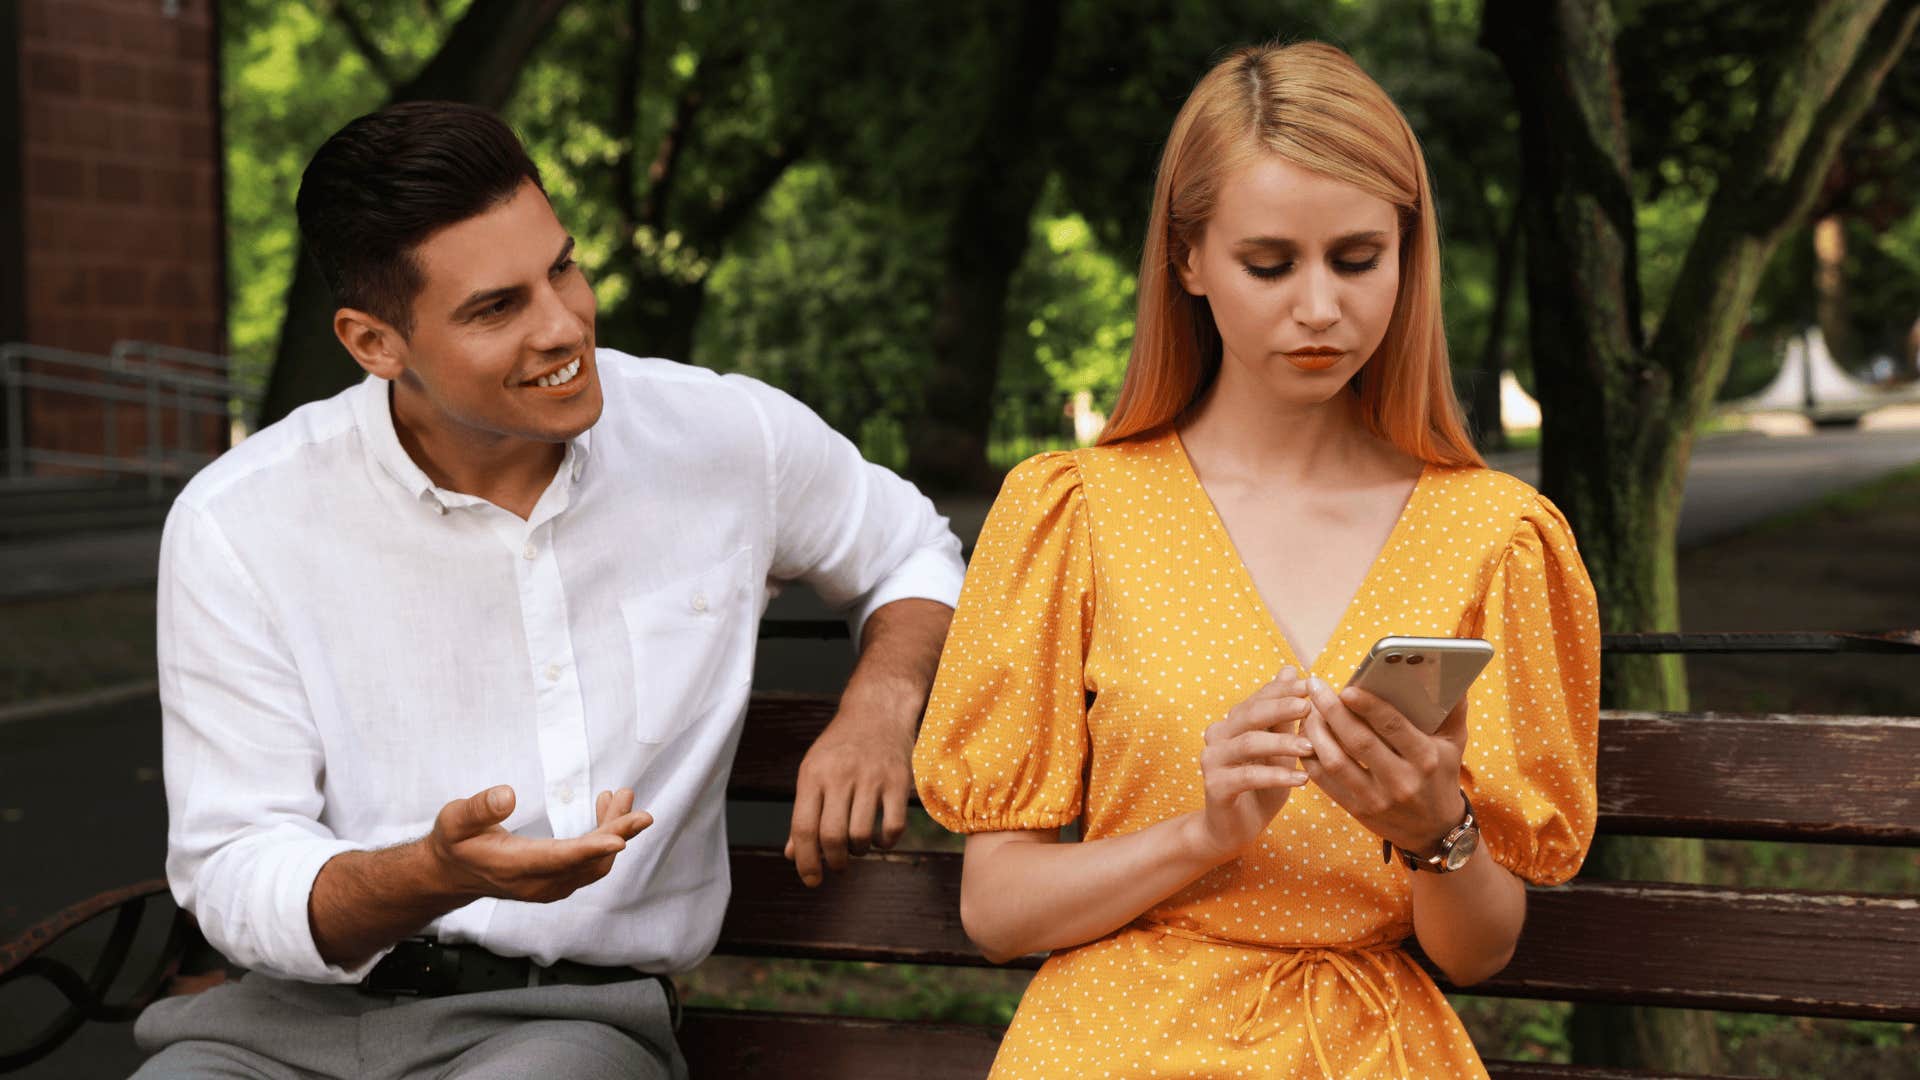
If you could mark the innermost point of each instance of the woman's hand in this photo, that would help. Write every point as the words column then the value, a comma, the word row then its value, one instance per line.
column 1395, row 779
column 1250, row 768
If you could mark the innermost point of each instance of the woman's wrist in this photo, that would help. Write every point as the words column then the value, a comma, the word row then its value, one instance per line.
column 1426, row 839
column 1197, row 841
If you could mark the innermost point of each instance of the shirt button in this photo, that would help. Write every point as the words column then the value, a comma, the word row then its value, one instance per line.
column 553, row 672
column 699, row 601
column 529, row 551
column 566, row 794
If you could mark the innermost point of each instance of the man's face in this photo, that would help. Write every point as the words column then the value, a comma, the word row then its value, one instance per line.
column 504, row 313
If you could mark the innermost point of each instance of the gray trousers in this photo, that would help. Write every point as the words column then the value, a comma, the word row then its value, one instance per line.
column 263, row 1028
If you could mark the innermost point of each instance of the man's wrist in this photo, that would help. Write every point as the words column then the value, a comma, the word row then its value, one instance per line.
column 440, row 880
column 891, row 701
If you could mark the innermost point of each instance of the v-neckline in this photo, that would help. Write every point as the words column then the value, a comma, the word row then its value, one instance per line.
column 1252, row 590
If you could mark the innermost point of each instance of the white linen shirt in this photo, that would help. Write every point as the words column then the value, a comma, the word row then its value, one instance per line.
column 344, row 647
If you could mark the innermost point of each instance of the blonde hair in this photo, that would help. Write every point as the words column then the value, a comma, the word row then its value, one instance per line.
column 1310, row 104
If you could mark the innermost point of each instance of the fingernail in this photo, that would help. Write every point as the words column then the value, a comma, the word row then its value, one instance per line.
column 497, row 799
column 1297, row 779
column 1317, row 685
column 1349, row 695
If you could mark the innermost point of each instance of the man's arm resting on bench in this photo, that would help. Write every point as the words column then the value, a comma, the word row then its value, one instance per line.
column 863, row 762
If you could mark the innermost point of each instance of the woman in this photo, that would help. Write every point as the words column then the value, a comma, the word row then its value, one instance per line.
column 1153, row 631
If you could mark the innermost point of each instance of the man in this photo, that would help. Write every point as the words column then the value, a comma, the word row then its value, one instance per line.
column 519, row 573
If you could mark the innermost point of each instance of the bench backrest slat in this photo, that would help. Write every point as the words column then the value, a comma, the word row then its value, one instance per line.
column 724, row 1043
column 1820, row 779
column 1809, row 954
column 1838, row 779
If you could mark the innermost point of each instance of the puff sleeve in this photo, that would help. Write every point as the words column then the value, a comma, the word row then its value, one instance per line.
column 1533, row 739
column 1004, row 742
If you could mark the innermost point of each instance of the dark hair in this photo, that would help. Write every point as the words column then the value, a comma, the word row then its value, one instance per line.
column 390, row 179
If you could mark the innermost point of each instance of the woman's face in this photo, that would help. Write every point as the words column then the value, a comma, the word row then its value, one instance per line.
column 1301, row 272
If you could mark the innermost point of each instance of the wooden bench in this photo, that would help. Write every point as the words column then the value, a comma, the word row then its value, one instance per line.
column 1817, row 779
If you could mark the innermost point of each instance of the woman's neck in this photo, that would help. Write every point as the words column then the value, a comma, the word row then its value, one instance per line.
column 1243, row 430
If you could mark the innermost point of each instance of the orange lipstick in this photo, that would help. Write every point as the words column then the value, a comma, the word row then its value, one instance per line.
column 1315, row 359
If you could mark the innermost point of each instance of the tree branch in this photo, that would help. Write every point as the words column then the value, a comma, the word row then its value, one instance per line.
column 1826, row 84
column 364, row 44
column 728, row 214
column 665, row 168
column 483, row 55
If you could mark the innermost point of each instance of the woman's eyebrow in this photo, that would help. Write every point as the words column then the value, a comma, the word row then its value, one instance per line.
column 1285, row 245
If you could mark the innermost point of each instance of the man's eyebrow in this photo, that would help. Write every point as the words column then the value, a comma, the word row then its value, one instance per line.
column 1281, row 243
column 485, row 297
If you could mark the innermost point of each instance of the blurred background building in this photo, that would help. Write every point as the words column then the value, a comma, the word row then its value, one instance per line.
column 110, row 232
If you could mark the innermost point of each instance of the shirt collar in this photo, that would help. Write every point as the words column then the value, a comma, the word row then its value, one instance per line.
column 373, row 411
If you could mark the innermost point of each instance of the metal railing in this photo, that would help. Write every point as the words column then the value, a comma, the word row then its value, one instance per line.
column 167, row 383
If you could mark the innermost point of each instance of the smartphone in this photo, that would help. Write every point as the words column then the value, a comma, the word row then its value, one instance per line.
column 1423, row 677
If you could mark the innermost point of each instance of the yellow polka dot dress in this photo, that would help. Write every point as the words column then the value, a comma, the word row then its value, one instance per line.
column 1106, row 621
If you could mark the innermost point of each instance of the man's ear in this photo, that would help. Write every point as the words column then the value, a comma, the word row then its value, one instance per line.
column 373, row 342
column 1188, row 267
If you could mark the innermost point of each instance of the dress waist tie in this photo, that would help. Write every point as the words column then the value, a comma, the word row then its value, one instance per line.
column 1383, row 998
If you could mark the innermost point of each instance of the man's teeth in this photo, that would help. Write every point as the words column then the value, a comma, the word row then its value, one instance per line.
column 561, row 377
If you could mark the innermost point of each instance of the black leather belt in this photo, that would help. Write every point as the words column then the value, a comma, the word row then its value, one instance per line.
column 418, row 967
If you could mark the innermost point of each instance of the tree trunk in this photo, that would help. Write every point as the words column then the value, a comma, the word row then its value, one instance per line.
column 1483, row 410
column 658, row 318
column 986, row 240
column 661, row 312
column 479, row 64
column 1618, row 410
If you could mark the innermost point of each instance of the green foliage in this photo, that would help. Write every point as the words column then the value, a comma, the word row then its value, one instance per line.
column 1078, row 305
column 291, row 77
column 829, row 296
column 828, row 288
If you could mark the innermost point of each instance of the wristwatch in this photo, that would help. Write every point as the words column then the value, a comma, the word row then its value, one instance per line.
column 1455, row 848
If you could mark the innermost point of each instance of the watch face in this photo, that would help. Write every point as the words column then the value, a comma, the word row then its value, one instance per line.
column 1462, row 850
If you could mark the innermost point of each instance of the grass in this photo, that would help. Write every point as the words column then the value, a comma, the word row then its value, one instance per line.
column 1900, row 488
column 65, row 645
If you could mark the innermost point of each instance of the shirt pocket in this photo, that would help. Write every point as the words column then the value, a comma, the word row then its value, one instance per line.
column 692, row 644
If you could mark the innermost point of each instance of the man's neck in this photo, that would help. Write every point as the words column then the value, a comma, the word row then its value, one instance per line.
column 508, row 472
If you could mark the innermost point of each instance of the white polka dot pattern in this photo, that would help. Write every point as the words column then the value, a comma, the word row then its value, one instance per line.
column 1106, row 621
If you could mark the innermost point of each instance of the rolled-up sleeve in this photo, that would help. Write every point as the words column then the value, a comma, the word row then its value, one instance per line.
column 243, row 761
column 860, row 535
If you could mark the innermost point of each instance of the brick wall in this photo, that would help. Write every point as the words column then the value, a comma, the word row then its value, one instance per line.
column 120, row 188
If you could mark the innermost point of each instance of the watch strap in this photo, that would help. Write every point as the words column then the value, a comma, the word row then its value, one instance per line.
column 1437, row 862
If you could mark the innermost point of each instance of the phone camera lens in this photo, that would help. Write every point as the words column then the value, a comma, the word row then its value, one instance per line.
column 1416, row 659
column 1393, row 658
